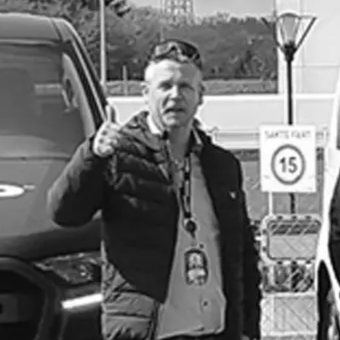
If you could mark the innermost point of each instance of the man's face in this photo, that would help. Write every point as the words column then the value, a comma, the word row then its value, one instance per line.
column 173, row 92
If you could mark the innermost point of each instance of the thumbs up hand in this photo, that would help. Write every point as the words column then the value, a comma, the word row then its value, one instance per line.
column 106, row 137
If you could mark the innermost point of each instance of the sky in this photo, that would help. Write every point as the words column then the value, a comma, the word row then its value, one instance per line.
column 234, row 7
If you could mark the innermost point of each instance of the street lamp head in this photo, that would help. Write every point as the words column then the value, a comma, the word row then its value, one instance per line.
column 288, row 25
column 293, row 29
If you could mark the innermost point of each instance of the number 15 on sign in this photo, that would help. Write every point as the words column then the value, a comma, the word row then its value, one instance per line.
column 288, row 158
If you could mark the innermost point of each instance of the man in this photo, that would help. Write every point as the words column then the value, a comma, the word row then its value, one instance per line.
column 179, row 258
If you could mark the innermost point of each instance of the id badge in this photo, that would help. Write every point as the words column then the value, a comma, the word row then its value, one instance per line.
column 196, row 267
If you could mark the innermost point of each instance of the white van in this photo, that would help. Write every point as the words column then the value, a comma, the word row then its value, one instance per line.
column 327, row 264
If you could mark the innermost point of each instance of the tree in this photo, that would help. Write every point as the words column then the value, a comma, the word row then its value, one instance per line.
column 231, row 47
column 145, row 24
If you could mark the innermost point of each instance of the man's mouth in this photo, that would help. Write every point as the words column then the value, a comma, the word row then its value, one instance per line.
column 174, row 109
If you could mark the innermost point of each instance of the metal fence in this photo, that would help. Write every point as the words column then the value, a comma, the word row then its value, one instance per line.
column 287, row 244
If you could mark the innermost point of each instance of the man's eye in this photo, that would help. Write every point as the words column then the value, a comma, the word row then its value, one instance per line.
column 165, row 86
column 186, row 86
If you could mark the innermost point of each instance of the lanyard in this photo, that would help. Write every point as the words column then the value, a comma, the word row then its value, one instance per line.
column 189, row 223
column 185, row 194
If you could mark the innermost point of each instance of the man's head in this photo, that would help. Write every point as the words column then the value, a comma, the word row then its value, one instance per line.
column 173, row 87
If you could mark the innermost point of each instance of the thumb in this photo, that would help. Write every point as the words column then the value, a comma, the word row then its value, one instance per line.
column 110, row 114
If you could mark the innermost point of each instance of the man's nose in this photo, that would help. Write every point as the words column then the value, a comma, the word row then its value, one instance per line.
column 175, row 91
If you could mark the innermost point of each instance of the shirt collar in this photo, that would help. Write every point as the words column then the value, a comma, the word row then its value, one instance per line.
column 152, row 126
column 197, row 143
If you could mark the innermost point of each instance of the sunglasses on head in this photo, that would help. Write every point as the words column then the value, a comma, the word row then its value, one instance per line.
column 177, row 50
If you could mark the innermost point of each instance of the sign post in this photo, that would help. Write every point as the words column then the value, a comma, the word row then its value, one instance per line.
column 288, row 158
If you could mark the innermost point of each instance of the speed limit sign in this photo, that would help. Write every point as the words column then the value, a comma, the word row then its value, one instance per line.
column 288, row 158
column 288, row 164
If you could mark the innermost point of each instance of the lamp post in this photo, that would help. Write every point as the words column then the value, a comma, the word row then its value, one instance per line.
column 293, row 29
column 102, row 30
column 161, row 8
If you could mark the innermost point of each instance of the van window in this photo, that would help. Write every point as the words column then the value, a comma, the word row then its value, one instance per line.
column 43, row 107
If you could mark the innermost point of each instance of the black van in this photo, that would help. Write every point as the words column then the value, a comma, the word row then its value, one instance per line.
column 50, row 101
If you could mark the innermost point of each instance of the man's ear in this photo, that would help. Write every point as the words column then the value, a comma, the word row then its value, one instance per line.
column 145, row 90
column 201, row 94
